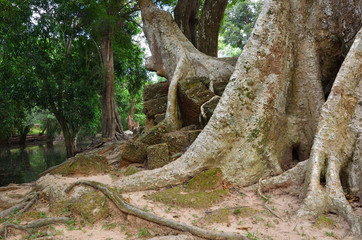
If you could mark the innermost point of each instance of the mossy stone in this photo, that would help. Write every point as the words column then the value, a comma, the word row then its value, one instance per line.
column 324, row 222
column 207, row 180
column 219, row 216
column 84, row 165
column 134, row 151
column 176, row 197
column 131, row 170
column 31, row 215
column 157, row 156
column 245, row 212
column 92, row 206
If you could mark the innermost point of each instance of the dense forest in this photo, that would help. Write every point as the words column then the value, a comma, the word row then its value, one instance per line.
column 195, row 101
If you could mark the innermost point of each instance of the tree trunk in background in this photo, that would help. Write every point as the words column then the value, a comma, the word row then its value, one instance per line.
column 210, row 20
column 131, row 123
column 70, row 142
column 187, row 18
column 270, row 111
column 70, row 136
column 203, row 34
column 23, row 133
column 111, row 125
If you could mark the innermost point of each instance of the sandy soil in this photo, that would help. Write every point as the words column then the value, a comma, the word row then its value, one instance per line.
column 262, row 225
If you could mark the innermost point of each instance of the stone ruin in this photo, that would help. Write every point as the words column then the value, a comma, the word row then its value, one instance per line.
column 197, row 103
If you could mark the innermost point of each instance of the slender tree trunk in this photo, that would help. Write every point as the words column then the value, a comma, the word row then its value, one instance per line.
column 131, row 123
column 110, row 121
column 210, row 20
column 70, row 142
column 23, row 133
column 69, row 136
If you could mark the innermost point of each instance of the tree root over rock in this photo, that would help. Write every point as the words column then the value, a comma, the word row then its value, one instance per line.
column 129, row 209
column 35, row 224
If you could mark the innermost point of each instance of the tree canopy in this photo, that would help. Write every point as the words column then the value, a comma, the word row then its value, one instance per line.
column 50, row 58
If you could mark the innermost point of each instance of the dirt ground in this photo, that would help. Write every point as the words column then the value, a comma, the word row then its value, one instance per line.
column 245, row 213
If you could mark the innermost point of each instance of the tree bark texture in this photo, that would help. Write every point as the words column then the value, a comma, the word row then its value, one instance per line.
column 210, row 20
column 203, row 33
column 187, row 18
column 338, row 137
column 272, row 111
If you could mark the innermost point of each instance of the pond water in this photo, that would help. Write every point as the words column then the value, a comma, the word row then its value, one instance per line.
column 21, row 165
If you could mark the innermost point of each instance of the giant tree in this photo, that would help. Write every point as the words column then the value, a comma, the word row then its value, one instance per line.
column 279, row 105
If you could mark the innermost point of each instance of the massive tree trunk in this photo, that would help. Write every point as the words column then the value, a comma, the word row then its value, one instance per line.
column 337, row 143
column 111, row 126
column 268, row 115
column 174, row 57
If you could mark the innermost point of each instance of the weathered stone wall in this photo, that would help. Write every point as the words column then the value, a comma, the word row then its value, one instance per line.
column 192, row 94
column 155, row 103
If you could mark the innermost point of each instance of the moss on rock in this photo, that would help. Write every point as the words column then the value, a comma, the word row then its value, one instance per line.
column 91, row 206
column 84, row 165
column 219, row 216
column 207, row 180
column 245, row 212
column 324, row 222
column 132, row 169
column 32, row 215
column 176, row 197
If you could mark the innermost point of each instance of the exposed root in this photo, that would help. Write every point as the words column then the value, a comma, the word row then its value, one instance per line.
column 122, row 205
column 29, row 204
column 294, row 176
column 259, row 191
column 35, row 224
column 266, row 199
column 21, row 207
column 272, row 212
column 8, row 211
column 173, row 173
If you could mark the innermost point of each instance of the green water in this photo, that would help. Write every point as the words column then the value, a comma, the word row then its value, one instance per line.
column 21, row 165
